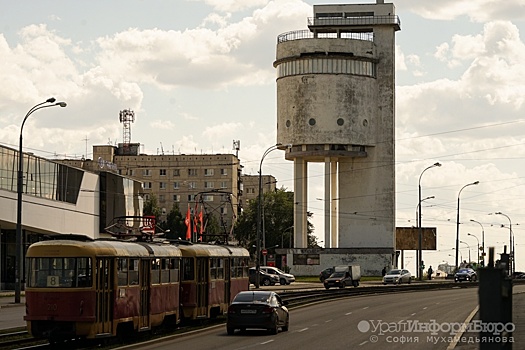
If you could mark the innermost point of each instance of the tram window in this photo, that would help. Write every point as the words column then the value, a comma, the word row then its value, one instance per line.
column 174, row 270
column 213, row 268
column 165, row 271
column 59, row 272
column 188, row 269
column 122, row 272
column 133, row 271
column 220, row 269
column 155, row 271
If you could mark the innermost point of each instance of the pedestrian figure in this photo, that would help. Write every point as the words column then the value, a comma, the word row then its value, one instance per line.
column 429, row 272
column 383, row 272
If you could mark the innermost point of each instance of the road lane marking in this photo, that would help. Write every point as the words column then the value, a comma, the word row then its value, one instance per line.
column 363, row 343
column 366, row 307
column 302, row 330
column 425, row 308
column 413, row 314
column 266, row 342
column 328, row 321
column 348, row 313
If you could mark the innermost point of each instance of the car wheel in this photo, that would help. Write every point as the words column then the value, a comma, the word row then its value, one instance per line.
column 266, row 282
column 410, row 280
column 274, row 330
column 282, row 282
column 342, row 285
column 327, row 287
column 355, row 283
column 287, row 324
column 230, row 330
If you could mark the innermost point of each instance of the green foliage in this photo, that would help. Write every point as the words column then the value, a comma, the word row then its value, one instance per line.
column 151, row 208
column 175, row 224
column 277, row 223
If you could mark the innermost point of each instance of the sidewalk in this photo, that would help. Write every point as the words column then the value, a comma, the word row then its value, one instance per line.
column 7, row 299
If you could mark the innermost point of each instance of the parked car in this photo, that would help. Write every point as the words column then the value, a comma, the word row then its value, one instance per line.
column 284, row 278
column 257, row 309
column 465, row 274
column 397, row 276
column 326, row 273
column 344, row 276
column 265, row 279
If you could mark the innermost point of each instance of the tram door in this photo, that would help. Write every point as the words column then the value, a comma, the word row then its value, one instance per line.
column 202, row 287
column 145, row 266
column 104, row 295
column 227, row 280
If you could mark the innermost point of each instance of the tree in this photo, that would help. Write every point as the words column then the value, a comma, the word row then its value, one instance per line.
column 174, row 223
column 278, row 208
column 151, row 208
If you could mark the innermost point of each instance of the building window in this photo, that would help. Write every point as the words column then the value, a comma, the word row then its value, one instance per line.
column 224, row 171
column 208, row 172
column 176, row 172
column 208, row 184
column 162, row 185
column 146, row 185
column 207, row 198
column 250, row 190
column 192, row 185
column 131, row 172
column 146, row 197
column 162, row 172
column 224, row 210
column 191, row 198
column 224, row 184
column 176, row 186
column 176, row 197
column 162, row 198
column 192, row 172
column 146, row 172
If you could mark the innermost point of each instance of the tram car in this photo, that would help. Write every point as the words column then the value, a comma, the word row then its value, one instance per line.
column 78, row 287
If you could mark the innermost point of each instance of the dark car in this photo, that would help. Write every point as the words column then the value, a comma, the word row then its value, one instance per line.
column 326, row 273
column 465, row 274
column 339, row 279
column 265, row 279
column 258, row 309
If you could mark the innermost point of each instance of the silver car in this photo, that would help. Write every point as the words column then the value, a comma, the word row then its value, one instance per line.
column 284, row 278
column 397, row 276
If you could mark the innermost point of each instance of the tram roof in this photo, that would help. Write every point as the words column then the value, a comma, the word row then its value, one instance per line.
column 72, row 248
column 211, row 250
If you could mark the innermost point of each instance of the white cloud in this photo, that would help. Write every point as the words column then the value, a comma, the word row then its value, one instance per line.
column 233, row 5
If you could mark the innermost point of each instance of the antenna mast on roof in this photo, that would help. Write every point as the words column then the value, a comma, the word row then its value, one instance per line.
column 126, row 117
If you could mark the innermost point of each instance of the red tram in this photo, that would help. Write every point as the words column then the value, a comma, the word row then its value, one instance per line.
column 78, row 287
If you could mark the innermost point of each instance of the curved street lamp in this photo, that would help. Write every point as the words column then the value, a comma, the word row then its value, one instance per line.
column 511, row 245
column 457, row 221
column 470, row 234
column 468, row 246
column 482, row 243
column 19, row 189
column 420, row 239
column 259, row 217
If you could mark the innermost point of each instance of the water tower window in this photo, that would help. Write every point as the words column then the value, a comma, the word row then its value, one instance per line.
column 311, row 121
column 340, row 121
column 288, row 123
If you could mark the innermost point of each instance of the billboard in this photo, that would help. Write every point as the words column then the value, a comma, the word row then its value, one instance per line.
column 407, row 238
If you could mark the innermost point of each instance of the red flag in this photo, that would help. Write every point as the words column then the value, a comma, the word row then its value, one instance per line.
column 200, row 221
column 195, row 218
column 187, row 221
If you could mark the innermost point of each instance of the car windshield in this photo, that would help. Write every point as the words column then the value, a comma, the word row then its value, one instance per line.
column 395, row 272
column 464, row 271
column 249, row 297
column 337, row 274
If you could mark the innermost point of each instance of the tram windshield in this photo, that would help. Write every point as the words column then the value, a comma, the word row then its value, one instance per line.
column 59, row 273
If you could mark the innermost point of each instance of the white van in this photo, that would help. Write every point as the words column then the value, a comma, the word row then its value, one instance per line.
column 284, row 278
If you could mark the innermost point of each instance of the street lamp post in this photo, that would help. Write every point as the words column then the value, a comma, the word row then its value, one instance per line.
column 420, row 239
column 470, row 234
column 282, row 237
column 259, row 217
column 19, row 188
column 511, row 247
column 457, row 221
column 482, row 243
column 468, row 246
column 418, row 208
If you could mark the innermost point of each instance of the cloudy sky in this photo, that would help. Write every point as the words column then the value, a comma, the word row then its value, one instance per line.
column 198, row 74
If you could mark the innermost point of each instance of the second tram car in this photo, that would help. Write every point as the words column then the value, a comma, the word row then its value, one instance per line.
column 78, row 287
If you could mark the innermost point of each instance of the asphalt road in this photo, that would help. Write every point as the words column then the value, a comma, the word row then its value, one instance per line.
column 368, row 322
